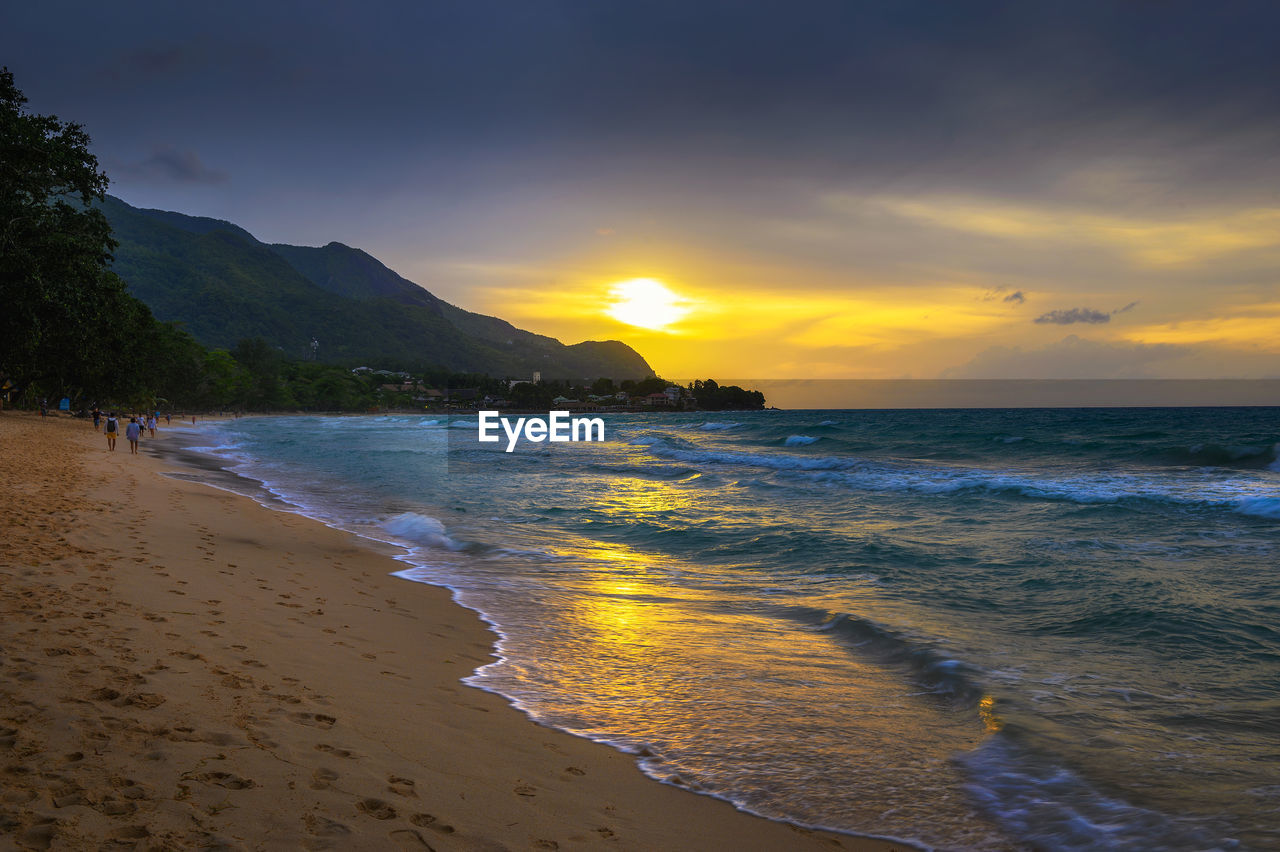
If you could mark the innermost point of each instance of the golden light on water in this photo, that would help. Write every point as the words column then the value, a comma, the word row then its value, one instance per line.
column 987, row 712
column 646, row 303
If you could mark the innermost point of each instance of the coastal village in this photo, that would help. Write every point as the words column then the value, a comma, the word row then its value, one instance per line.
column 402, row 390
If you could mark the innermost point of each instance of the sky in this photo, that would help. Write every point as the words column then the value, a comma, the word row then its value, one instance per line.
column 813, row 189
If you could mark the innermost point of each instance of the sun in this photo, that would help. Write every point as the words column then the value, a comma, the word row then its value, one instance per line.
column 646, row 303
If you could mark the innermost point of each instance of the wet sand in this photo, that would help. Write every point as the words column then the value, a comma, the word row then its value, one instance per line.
column 181, row 667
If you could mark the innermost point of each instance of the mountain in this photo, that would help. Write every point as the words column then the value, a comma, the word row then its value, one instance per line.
column 224, row 285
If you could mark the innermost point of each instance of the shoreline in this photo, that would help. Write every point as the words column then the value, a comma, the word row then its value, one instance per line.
column 189, row 666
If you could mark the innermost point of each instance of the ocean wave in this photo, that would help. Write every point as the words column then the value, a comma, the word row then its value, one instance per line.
column 1262, row 507
column 217, row 449
column 936, row 672
column 645, row 471
column 420, row 529
column 862, row 474
column 717, row 427
column 799, row 441
column 1221, row 455
column 729, row 457
column 1052, row 808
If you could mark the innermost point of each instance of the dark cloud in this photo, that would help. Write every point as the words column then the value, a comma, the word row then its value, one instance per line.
column 1072, row 316
column 1127, row 307
column 171, row 164
column 1017, row 297
column 882, row 92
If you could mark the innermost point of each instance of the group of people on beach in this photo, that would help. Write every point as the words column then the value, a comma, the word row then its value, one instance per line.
column 132, row 430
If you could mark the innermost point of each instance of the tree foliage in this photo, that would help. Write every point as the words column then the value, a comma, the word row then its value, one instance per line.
column 66, row 322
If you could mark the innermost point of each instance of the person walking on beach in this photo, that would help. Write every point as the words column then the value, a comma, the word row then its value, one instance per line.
column 133, row 432
column 97, row 419
column 151, row 425
column 112, row 430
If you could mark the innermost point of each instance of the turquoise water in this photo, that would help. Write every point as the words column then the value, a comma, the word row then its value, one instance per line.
column 1050, row 629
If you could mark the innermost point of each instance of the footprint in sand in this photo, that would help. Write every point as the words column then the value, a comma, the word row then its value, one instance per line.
column 376, row 808
column 401, row 786
column 407, row 838
column 324, row 827
column 429, row 821
column 145, row 700
column 315, row 720
column 322, row 779
column 525, row 790
column 226, row 780
column 337, row 752
column 112, row 808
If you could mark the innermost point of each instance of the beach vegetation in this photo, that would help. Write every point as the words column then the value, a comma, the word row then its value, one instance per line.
column 712, row 396
column 67, row 321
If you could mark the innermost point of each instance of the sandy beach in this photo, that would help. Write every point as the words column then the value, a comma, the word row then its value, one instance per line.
column 181, row 667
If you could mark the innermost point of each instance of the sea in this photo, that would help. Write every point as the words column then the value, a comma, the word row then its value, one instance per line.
column 1021, row 628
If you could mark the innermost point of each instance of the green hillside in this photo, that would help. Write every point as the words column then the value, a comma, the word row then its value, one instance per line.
column 224, row 285
column 353, row 273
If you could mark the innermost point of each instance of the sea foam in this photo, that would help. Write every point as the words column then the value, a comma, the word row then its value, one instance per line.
column 420, row 529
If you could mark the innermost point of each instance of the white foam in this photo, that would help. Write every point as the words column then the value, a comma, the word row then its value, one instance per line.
column 717, row 427
column 1097, row 488
column 799, row 441
column 420, row 529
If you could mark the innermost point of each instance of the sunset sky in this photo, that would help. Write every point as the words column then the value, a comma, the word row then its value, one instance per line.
column 826, row 189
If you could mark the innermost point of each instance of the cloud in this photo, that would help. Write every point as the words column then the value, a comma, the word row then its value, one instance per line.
column 1072, row 316
column 1147, row 241
column 169, row 164
column 1017, row 297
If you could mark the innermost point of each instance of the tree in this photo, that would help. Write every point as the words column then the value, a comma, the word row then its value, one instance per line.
column 60, row 306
